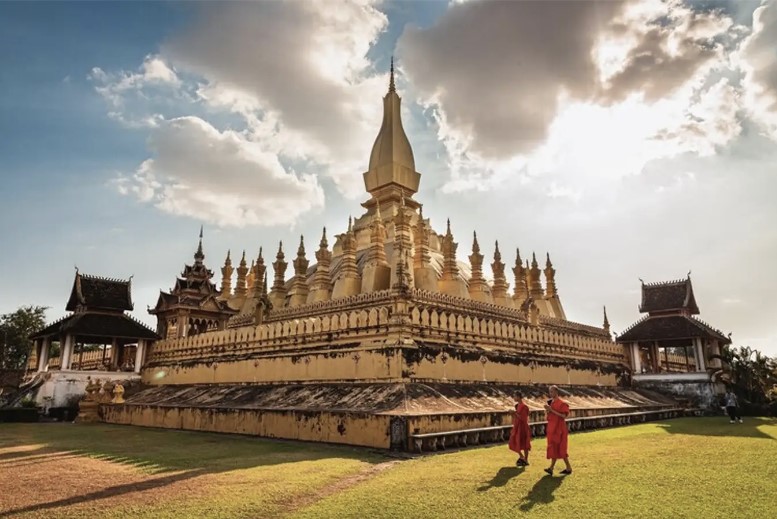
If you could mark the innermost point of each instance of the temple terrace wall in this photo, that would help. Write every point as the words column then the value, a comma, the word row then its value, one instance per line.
column 363, row 429
column 385, row 336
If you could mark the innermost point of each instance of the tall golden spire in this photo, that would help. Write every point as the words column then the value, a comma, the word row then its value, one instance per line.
column 298, row 293
column 450, row 282
column 242, row 270
column 521, row 291
column 259, row 273
column 199, row 256
column 392, row 165
column 535, row 284
column 278, row 292
column 450, row 269
column 550, row 277
column 478, row 288
column 321, row 282
column 501, row 286
column 251, row 278
column 349, row 281
column 226, row 277
column 606, row 324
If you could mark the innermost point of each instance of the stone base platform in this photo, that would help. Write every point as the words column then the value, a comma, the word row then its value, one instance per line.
column 404, row 416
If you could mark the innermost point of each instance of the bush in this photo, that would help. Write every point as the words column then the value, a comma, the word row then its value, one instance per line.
column 28, row 402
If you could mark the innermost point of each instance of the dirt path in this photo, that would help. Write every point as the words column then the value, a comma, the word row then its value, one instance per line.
column 338, row 486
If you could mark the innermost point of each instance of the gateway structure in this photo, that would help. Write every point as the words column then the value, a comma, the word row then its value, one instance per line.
column 386, row 340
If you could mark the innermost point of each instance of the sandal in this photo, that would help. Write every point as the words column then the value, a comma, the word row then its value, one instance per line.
column 566, row 472
column 549, row 471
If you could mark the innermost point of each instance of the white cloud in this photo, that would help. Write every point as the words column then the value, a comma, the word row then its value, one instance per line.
column 115, row 86
column 222, row 177
column 293, row 77
column 758, row 59
column 583, row 103
column 298, row 73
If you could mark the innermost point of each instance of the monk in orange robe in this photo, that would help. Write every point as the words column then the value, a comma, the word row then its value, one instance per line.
column 520, row 435
column 557, row 432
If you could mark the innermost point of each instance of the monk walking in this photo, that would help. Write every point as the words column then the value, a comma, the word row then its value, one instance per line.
column 557, row 433
column 520, row 436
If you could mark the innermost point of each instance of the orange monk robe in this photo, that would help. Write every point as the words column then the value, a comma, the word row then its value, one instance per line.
column 557, row 432
column 520, row 436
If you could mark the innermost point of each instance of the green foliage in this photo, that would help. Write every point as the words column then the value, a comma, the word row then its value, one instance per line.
column 754, row 375
column 28, row 402
column 15, row 330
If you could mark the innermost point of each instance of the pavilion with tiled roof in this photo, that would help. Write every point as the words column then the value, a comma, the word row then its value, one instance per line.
column 98, row 307
column 670, row 339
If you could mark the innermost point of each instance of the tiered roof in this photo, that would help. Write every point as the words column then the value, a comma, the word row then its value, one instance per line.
column 668, row 296
column 99, row 304
column 99, row 293
column 670, row 307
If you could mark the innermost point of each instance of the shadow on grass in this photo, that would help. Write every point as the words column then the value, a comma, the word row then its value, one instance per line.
column 13, row 455
column 502, row 477
column 541, row 493
column 720, row 426
column 169, row 456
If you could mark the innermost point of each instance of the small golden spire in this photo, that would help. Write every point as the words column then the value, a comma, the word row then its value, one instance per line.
column 323, row 243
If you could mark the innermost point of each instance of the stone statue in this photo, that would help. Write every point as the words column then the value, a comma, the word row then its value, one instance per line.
column 118, row 394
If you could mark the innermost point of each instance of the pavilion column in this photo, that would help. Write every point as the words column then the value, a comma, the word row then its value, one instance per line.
column 655, row 358
column 139, row 353
column 67, row 352
column 716, row 351
column 114, row 359
column 701, row 363
column 43, row 357
column 637, row 365
column 183, row 325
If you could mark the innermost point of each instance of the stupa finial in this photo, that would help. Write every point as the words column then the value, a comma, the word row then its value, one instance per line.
column 392, row 87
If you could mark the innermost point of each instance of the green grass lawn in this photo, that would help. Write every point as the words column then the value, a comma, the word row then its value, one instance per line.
column 695, row 467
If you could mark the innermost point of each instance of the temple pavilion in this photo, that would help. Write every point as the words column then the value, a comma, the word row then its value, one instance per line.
column 97, row 317
column 670, row 347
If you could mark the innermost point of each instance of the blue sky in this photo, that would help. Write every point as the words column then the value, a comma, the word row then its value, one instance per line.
column 644, row 152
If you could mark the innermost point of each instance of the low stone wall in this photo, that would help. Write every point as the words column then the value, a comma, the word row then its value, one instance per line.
column 381, row 415
column 362, row 429
column 701, row 394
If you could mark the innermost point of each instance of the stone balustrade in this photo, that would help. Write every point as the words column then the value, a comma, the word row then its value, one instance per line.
column 425, row 315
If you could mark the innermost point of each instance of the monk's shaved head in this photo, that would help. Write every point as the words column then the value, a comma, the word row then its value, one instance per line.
column 554, row 391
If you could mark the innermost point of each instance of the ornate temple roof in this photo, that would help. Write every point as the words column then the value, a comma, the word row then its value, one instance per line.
column 668, row 327
column 668, row 296
column 98, row 293
column 193, row 289
column 98, row 326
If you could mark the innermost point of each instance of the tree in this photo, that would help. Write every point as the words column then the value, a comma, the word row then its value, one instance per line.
column 16, row 329
column 753, row 374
